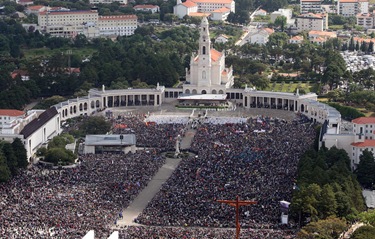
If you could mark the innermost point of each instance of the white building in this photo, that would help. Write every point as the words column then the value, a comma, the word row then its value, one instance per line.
column 310, row 21
column 222, row 39
column 66, row 18
column 350, row 8
column 119, row 25
column 147, row 8
column 296, row 40
column 207, row 74
column 359, row 137
column 260, row 12
column 191, row 7
column 220, row 14
column 36, row 9
column 8, row 117
column 71, row 23
column 321, row 34
column 314, row 6
column 124, row 2
column 106, row 143
column 185, row 8
column 365, row 20
column 282, row 12
column 260, row 36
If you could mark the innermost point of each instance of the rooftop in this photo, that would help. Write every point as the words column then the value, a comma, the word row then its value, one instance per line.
column 366, row 143
column 35, row 124
column 364, row 120
column 10, row 112
column 203, row 97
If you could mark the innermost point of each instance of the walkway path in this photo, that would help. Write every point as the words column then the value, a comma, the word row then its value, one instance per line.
column 146, row 195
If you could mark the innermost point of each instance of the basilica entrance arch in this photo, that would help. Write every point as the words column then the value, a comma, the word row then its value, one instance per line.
column 302, row 108
column 213, row 91
column 221, row 92
column 187, row 91
column 194, row 91
column 204, row 92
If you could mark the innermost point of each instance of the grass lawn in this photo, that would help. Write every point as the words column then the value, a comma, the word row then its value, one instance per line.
column 289, row 87
column 40, row 52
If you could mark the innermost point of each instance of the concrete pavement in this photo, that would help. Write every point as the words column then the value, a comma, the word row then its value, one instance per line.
column 146, row 195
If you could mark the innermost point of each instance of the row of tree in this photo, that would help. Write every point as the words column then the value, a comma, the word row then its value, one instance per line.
column 56, row 151
column 13, row 157
column 326, row 187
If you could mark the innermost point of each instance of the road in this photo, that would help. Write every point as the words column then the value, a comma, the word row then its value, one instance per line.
column 250, row 30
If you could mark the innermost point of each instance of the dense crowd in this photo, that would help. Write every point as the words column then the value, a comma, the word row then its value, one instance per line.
column 255, row 160
column 151, row 232
column 149, row 133
column 67, row 203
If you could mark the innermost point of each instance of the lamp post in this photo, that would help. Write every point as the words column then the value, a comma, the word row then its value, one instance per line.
column 121, row 138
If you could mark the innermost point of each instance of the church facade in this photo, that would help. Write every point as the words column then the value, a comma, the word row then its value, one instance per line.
column 208, row 73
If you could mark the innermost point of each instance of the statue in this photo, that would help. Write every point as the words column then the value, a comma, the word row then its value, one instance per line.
column 178, row 140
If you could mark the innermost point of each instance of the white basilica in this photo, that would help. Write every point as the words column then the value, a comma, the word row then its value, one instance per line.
column 207, row 74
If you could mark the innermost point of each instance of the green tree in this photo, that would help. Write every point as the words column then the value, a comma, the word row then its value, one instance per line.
column 95, row 125
column 328, row 204
column 280, row 21
column 20, row 153
column 59, row 155
column 330, row 228
column 4, row 170
column 364, row 232
column 10, row 157
column 366, row 168
column 60, row 141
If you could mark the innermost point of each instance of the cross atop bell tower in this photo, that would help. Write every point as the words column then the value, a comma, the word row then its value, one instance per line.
column 204, row 55
column 204, row 39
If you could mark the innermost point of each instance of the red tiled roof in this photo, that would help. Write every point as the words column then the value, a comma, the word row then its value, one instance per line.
column 19, row 72
column 348, row 1
column 223, row 9
column 67, row 12
column 215, row 55
column 12, row 113
column 297, row 38
column 366, row 143
column 199, row 14
column 189, row 4
column 35, row 8
column 364, row 120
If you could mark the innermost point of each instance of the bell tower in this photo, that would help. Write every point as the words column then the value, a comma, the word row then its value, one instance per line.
column 204, row 55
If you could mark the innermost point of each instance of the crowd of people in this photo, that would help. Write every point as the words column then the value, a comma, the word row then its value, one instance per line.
column 151, row 232
column 67, row 203
column 255, row 160
column 149, row 134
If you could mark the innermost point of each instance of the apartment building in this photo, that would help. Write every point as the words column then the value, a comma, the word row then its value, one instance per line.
column 66, row 18
column 365, row 20
column 350, row 8
column 311, row 21
column 147, row 8
column 108, row 1
column 311, row 6
column 218, row 9
column 71, row 23
column 121, row 25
